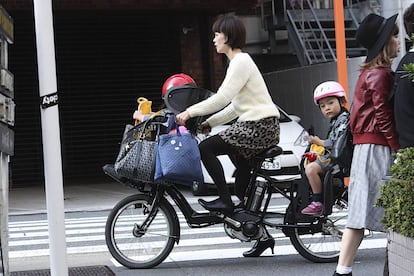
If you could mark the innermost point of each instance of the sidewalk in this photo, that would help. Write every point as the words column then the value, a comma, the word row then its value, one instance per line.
column 78, row 198
column 91, row 197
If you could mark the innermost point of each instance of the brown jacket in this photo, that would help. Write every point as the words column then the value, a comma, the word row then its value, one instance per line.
column 372, row 120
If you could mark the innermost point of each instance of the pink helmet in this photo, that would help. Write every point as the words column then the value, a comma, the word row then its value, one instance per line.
column 176, row 80
column 328, row 89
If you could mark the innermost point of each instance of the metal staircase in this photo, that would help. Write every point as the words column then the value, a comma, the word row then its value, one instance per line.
column 312, row 33
column 306, row 28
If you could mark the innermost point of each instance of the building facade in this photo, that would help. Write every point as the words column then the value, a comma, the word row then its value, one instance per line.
column 108, row 53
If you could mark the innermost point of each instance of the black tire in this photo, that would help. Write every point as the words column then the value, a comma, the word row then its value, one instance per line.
column 146, row 249
column 322, row 246
column 199, row 188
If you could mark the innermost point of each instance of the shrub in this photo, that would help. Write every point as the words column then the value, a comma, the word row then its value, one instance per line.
column 397, row 197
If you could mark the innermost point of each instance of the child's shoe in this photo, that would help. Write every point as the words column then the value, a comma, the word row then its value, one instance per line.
column 314, row 209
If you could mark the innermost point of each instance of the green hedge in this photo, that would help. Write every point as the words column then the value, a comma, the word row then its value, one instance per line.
column 397, row 197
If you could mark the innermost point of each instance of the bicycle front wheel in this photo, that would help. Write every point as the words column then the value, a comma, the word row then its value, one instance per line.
column 135, row 238
column 323, row 246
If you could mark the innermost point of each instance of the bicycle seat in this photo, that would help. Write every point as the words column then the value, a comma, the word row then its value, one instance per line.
column 271, row 152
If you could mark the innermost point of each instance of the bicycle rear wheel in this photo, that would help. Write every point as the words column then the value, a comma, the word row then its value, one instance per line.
column 323, row 246
column 133, row 245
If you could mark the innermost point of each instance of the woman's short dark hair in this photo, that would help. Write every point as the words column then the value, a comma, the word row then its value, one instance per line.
column 409, row 20
column 233, row 28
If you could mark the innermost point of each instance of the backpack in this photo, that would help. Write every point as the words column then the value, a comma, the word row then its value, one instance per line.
column 342, row 150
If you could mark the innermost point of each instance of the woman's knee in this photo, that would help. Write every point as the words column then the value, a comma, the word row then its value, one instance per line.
column 208, row 147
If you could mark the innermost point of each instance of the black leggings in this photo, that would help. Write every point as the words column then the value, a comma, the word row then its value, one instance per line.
column 214, row 146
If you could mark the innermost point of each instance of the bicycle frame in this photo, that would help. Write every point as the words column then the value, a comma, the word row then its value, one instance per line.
column 196, row 219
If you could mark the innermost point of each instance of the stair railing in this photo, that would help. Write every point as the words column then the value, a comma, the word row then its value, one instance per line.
column 298, row 42
column 310, row 37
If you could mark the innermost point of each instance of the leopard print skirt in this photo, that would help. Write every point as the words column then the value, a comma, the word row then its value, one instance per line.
column 251, row 137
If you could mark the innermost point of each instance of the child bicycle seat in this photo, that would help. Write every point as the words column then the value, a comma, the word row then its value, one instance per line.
column 178, row 98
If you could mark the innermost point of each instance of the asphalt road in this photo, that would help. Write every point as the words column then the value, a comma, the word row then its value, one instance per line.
column 205, row 251
column 369, row 262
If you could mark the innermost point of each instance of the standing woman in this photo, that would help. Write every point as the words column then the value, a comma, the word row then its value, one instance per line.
column 243, row 95
column 404, row 89
column 373, row 131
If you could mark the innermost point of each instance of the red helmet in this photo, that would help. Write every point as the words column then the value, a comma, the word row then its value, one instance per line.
column 176, row 80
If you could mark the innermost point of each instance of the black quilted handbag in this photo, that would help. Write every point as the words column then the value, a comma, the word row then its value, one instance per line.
column 136, row 158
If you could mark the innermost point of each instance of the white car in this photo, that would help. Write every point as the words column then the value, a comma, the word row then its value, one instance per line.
column 285, row 167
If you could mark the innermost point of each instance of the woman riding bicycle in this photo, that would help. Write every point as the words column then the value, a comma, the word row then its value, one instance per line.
column 243, row 95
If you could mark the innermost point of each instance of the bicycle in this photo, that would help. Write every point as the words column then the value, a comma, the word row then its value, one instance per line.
column 142, row 229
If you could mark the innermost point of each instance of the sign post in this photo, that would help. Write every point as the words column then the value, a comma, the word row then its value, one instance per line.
column 51, row 136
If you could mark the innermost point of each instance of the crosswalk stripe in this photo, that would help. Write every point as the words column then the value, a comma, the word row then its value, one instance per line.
column 227, row 253
column 87, row 235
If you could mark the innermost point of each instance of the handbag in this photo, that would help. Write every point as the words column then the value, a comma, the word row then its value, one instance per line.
column 136, row 157
column 178, row 158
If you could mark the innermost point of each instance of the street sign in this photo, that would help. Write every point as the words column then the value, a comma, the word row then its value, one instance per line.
column 6, row 25
column 6, row 140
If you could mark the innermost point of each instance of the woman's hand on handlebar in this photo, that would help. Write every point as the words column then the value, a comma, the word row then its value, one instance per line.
column 182, row 117
column 204, row 128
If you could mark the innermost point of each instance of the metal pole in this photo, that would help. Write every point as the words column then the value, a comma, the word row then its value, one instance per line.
column 4, row 209
column 341, row 45
column 51, row 136
column 341, row 63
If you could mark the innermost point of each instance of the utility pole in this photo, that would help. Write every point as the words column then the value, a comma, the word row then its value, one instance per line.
column 341, row 46
column 51, row 136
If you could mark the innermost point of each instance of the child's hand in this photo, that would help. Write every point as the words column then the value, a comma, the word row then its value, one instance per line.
column 315, row 140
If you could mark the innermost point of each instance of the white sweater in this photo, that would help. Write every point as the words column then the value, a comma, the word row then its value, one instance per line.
column 243, row 95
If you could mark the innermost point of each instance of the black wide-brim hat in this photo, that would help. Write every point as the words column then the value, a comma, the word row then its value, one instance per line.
column 373, row 33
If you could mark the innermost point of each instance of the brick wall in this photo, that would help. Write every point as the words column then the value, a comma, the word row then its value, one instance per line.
column 191, row 51
column 198, row 54
column 400, row 255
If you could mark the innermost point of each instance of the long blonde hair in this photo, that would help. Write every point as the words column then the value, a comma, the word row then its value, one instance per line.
column 383, row 59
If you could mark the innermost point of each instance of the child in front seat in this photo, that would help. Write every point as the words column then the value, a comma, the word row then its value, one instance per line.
column 331, row 98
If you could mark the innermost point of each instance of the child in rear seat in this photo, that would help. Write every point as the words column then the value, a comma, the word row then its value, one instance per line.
column 331, row 98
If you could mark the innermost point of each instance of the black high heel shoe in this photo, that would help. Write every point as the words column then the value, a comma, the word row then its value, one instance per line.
column 259, row 247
